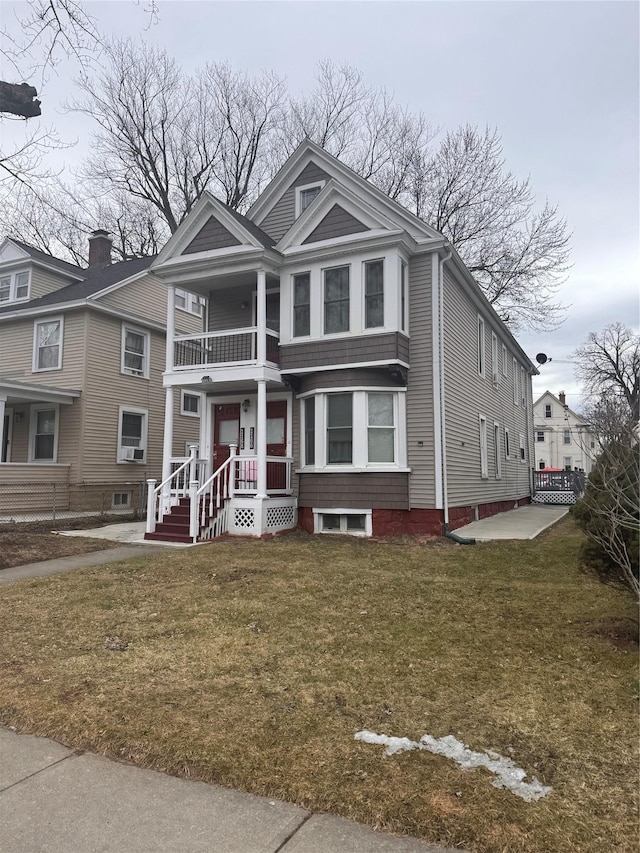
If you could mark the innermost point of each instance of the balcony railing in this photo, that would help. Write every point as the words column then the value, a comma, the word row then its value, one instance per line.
column 559, row 481
column 213, row 349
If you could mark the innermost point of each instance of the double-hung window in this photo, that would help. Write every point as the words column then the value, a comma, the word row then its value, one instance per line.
column 381, row 428
column 47, row 345
column 135, row 352
column 484, row 468
column 14, row 286
column 494, row 358
column 547, row 410
column 43, row 433
column 373, row 294
column 301, row 304
column 497, row 459
column 190, row 404
column 336, row 300
column 339, row 429
column 566, row 436
column 132, row 434
column 310, row 431
column 480, row 346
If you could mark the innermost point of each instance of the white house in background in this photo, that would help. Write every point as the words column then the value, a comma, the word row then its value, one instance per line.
column 354, row 378
column 562, row 439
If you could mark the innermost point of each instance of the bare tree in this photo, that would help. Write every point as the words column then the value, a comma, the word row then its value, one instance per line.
column 609, row 361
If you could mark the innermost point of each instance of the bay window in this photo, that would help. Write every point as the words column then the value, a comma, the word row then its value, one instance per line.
column 373, row 294
column 381, row 430
column 301, row 304
column 339, row 429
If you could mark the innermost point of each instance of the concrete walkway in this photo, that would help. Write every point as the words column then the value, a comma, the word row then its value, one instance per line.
column 526, row 522
column 56, row 800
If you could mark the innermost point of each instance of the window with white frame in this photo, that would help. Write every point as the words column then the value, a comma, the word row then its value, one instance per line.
column 190, row 404
column 566, row 436
column 516, row 396
column 332, row 421
column 135, row 351
column 336, row 300
column 191, row 302
column 47, row 344
column 523, row 387
column 404, row 303
column 339, row 429
column 301, row 304
column 305, row 195
column 505, row 366
column 43, row 433
column 566, row 463
column 497, row 459
column 523, row 452
column 132, row 434
column 480, row 346
column 494, row 358
column 14, row 286
column 507, row 449
column 484, row 468
column 539, row 435
column 547, row 410
column 351, row 522
column 373, row 294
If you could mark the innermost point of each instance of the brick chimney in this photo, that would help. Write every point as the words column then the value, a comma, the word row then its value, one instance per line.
column 562, row 398
column 100, row 249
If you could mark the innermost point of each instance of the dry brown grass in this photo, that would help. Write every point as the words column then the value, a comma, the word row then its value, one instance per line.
column 253, row 664
column 33, row 542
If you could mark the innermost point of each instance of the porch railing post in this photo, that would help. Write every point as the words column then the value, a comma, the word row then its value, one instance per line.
column 193, row 473
column 151, row 506
column 231, row 473
column 193, row 510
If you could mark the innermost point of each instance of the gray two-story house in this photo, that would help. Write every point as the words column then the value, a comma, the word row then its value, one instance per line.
column 354, row 377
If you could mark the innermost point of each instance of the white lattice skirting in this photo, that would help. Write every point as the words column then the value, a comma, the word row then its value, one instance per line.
column 251, row 517
column 554, row 498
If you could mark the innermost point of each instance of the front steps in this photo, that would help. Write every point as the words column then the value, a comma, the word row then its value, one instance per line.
column 175, row 526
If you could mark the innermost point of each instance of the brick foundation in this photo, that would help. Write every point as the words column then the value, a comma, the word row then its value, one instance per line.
column 422, row 522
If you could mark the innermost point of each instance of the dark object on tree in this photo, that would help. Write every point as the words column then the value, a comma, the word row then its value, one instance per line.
column 19, row 99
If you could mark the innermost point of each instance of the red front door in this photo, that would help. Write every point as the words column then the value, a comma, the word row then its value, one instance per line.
column 226, row 431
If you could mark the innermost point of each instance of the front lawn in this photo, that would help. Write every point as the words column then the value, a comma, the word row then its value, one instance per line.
column 253, row 664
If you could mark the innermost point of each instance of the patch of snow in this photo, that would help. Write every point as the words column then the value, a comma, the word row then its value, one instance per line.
column 509, row 775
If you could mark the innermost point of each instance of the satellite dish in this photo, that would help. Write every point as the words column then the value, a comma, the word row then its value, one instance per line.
column 541, row 358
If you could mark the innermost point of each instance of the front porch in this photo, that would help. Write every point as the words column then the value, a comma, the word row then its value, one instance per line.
column 188, row 506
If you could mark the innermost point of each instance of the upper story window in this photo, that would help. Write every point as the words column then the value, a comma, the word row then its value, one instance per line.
column 14, row 286
column 373, row 294
column 547, row 410
column 480, row 346
column 403, row 297
column 336, row 300
column 191, row 302
column 47, row 344
column 523, row 387
column 566, row 436
column 301, row 304
column 515, row 381
column 505, row 366
column 135, row 352
column 539, row 435
column 494, row 358
column 305, row 195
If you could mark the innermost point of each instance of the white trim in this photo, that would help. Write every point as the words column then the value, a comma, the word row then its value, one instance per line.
column 5, row 412
column 184, row 392
column 59, row 318
column 507, row 443
column 12, row 274
column 144, row 413
column 348, row 365
column 146, row 352
column 495, row 370
column 497, row 456
column 480, row 347
column 436, row 361
column 33, row 419
column 505, row 365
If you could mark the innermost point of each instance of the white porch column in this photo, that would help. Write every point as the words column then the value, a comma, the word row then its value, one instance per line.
column 206, row 451
column 262, row 439
column 3, row 402
column 261, row 317
column 171, row 326
column 167, row 446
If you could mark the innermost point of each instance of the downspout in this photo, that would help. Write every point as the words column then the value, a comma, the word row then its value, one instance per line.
column 443, row 427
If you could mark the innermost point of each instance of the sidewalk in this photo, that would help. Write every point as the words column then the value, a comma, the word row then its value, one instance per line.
column 525, row 522
column 55, row 800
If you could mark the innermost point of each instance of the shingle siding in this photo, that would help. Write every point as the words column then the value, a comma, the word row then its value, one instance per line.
column 354, row 491
column 337, row 223
column 381, row 347
column 213, row 235
column 282, row 216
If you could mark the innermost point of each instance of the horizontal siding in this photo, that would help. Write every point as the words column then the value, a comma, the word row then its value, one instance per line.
column 354, row 491
column 146, row 298
column 468, row 395
column 381, row 347
column 213, row 235
column 337, row 223
column 226, row 311
column 350, row 378
column 420, row 422
column 43, row 282
column 281, row 217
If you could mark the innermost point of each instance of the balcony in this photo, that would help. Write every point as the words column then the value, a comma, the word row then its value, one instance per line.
column 223, row 349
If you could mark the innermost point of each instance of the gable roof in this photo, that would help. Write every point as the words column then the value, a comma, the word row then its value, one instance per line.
column 49, row 260
column 96, row 279
column 562, row 406
column 308, row 152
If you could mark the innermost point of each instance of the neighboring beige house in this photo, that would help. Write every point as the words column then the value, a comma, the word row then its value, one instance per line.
column 82, row 353
column 562, row 438
column 354, row 378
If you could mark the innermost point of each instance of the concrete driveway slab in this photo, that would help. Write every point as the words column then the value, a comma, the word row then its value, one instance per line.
column 525, row 522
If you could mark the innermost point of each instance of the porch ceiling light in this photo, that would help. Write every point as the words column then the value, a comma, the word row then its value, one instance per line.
column 246, row 405
column 206, row 380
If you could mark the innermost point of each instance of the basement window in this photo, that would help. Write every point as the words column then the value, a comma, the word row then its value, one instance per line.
column 351, row 522
column 121, row 499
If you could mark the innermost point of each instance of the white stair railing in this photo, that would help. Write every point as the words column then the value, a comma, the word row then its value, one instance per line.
column 209, row 502
column 161, row 498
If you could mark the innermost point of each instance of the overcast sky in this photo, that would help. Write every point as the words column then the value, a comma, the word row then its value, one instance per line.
column 560, row 81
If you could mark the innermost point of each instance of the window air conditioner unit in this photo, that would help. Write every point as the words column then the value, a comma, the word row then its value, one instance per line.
column 132, row 454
